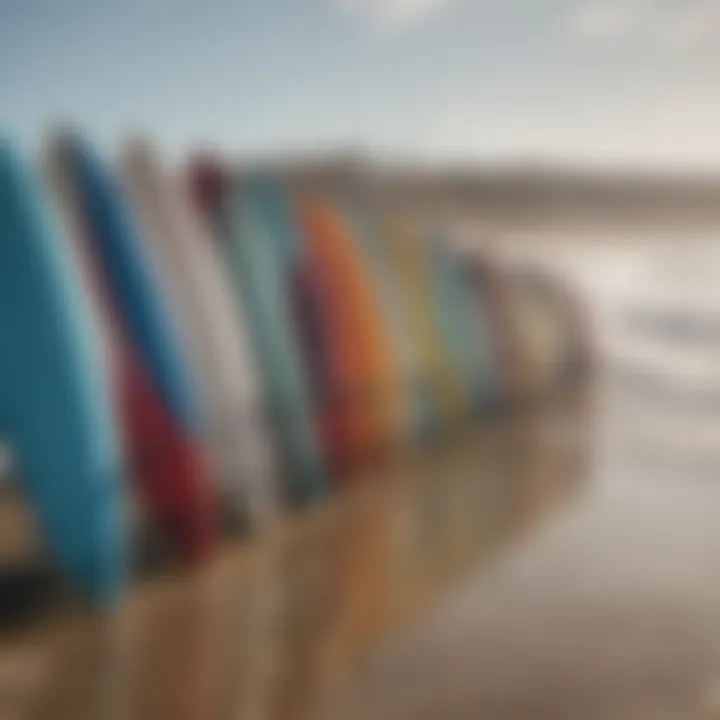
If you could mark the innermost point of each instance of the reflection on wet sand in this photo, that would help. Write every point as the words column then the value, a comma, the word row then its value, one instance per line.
column 272, row 629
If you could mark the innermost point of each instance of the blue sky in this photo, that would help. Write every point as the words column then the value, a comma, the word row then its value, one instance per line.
column 601, row 81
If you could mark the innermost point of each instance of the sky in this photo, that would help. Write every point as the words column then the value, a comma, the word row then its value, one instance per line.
column 601, row 82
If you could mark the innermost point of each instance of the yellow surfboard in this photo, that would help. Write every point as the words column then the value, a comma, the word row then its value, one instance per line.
column 413, row 272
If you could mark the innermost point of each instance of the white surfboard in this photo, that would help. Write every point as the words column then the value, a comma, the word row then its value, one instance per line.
column 216, row 342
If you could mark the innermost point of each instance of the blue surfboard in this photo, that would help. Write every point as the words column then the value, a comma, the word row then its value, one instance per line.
column 54, row 403
column 130, row 275
column 479, row 316
column 474, row 334
column 466, row 345
column 158, row 401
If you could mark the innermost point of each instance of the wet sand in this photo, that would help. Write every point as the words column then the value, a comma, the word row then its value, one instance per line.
column 612, row 610
column 276, row 629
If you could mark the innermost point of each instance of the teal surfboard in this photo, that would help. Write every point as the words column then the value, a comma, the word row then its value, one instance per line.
column 466, row 344
column 54, row 402
column 260, row 254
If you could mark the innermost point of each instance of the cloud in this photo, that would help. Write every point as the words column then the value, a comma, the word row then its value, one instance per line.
column 394, row 13
column 612, row 18
column 681, row 25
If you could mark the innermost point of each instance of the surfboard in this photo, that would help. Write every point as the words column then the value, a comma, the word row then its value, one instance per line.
column 414, row 406
column 366, row 373
column 260, row 262
column 460, row 326
column 321, row 344
column 308, row 320
column 153, row 398
column 54, row 401
column 411, row 264
column 477, row 317
column 316, row 349
column 491, row 285
column 214, row 334
column 541, row 327
column 556, row 325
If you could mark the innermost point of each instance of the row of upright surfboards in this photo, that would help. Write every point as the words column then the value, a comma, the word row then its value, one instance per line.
column 179, row 348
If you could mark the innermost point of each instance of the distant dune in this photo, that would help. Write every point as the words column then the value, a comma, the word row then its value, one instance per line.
column 517, row 195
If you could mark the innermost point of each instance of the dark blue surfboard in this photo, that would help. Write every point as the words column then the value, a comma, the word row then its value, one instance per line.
column 130, row 274
column 54, row 403
column 159, row 410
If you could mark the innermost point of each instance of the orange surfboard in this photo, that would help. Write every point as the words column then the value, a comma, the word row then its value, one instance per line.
column 364, row 373
column 415, row 409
